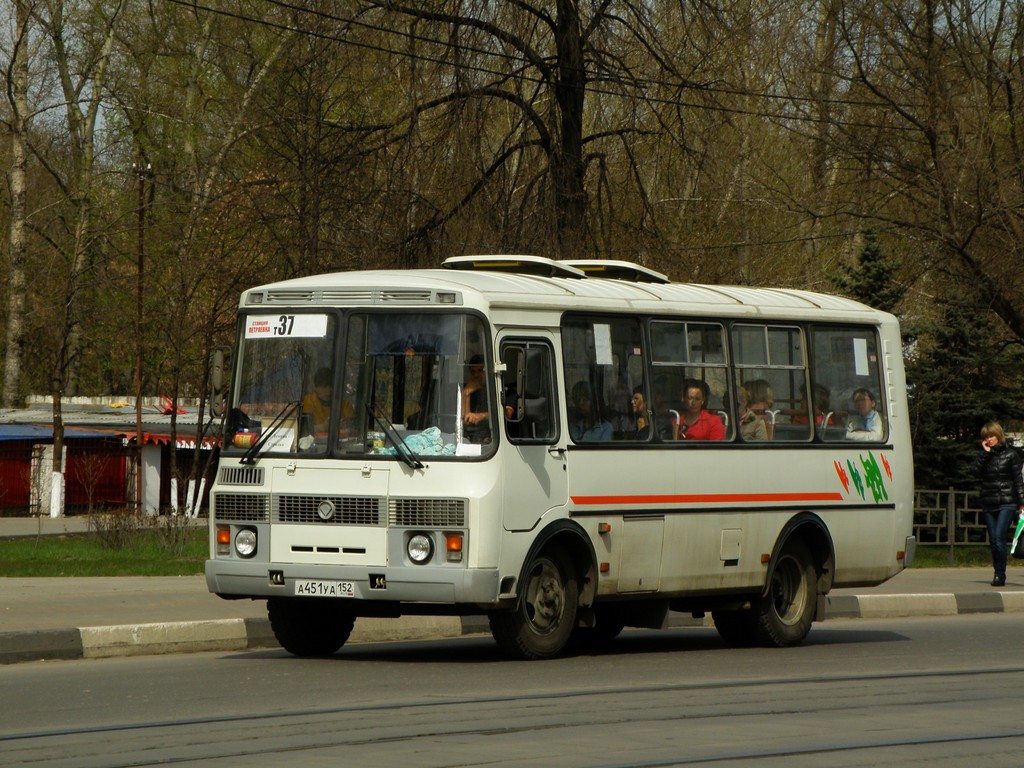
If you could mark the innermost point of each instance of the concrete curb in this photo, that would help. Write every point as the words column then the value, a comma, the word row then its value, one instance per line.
column 208, row 635
column 927, row 604
column 247, row 634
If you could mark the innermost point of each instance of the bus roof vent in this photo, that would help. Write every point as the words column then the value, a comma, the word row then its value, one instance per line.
column 617, row 270
column 521, row 265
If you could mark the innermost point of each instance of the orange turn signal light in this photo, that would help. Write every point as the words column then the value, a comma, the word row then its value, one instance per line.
column 454, row 546
column 223, row 535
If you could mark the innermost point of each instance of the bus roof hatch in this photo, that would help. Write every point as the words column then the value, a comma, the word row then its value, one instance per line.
column 522, row 265
column 618, row 270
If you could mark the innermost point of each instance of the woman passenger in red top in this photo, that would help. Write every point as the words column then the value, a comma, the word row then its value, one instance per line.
column 696, row 423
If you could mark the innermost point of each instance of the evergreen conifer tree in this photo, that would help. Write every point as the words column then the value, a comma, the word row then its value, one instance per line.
column 872, row 280
column 961, row 375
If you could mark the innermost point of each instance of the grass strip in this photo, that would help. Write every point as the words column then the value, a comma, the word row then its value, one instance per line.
column 146, row 553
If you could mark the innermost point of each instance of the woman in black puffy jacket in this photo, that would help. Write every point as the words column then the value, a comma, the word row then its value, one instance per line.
column 1002, row 491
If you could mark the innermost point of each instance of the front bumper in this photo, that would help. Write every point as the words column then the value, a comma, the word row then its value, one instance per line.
column 405, row 584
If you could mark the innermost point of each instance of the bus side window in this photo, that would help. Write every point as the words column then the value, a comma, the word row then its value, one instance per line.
column 528, row 393
column 771, row 365
column 845, row 361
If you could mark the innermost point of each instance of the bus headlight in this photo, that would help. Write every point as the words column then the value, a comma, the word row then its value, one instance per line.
column 245, row 542
column 420, row 548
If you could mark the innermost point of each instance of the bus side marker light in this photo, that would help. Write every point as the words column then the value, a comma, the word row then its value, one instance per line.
column 454, row 547
column 901, row 555
column 766, row 558
column 605, row 567
column 604, row 527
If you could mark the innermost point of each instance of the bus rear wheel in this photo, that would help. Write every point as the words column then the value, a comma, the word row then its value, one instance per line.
column 783, row 616
column 308, row 626
column 543, row 620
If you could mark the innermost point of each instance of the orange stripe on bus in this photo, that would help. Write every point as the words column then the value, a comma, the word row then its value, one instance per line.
column 707, row 498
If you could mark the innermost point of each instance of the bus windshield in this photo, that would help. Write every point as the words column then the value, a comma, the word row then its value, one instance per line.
column 408, row 385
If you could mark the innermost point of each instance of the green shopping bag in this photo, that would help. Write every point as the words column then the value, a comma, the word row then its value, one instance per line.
column 1018, row 553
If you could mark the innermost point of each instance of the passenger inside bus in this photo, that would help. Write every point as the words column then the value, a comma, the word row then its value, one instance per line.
column 821, row 400
column 762, row 402
column 588, row 424
column 752, row 427
column 317, row 404
column 641, row 416
column 475, row 409
column 865, row 422
column 695, row 423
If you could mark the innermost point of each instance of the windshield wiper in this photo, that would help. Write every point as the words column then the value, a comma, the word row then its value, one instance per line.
column 254, row 450
column 405, row 453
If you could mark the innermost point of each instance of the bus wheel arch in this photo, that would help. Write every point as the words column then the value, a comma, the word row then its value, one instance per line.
column 557, row 577
column 812, row 531
column 799, row 574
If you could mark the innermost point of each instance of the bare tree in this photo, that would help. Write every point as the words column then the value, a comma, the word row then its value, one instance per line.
column 17, row 96
column 938, row 142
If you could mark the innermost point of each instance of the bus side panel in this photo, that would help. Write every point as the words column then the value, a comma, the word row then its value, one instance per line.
column 722, row 511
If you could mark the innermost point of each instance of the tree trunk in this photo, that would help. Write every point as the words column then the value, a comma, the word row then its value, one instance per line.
column 19, row 155
column 567, row 166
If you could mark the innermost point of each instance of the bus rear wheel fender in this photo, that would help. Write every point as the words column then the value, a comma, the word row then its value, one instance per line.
column 540, row 625
column 783, row 614
column 309, row 626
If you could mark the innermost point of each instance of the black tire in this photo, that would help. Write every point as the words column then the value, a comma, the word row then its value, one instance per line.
column 607, row 626
column 785, row 614
column 545, row 615
column 783, row 617
column 308, row 626
column 736, row 628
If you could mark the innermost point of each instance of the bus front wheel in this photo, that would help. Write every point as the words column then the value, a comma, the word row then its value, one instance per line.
column 309, row 626
column 544, row 617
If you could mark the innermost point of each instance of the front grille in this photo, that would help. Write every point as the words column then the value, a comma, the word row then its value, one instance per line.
column 241, row 475
column 428, row 513
column 347, row 510
column 244, row 507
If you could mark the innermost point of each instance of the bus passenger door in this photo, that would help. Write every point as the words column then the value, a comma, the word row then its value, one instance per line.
column 533, row 455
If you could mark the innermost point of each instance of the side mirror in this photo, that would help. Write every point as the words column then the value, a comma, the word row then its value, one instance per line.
column 513, row 381
column 218, row 381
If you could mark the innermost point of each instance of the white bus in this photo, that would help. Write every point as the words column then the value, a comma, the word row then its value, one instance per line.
column 568, row 448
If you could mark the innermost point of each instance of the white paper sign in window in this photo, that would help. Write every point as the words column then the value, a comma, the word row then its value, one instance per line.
column 603, row 344
column 860, row 357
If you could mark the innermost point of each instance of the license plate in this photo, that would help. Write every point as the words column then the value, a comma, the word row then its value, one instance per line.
column 311, row 588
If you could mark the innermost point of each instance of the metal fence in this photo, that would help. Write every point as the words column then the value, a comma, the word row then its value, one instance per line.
column 949, row 518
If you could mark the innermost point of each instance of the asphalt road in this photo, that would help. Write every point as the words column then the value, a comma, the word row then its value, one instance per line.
column 911, row 692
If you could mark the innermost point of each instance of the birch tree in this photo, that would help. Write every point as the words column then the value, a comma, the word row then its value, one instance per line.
column 18, row 126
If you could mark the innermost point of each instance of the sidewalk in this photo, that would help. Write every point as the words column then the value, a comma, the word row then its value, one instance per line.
column 52, row 618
